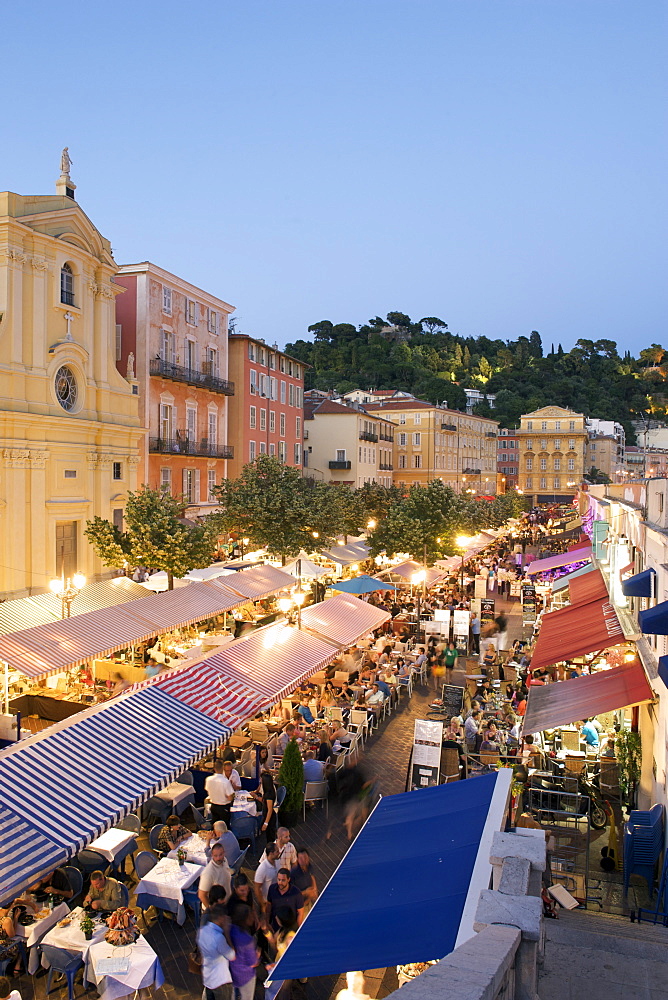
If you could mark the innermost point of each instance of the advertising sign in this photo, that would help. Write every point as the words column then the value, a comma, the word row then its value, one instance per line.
column 460, row 630
column 480, row 588
column 426, row 760
column 528, row 604
column 486, row 612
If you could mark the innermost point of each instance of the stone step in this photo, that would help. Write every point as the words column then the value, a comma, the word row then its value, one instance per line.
column 584, row 928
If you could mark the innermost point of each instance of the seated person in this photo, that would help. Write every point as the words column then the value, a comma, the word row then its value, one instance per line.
column 172, row 834
column 325, row 748
column 54, row 884
column 305, row 712
column 491, row 740
column 104, row 893
column 314, row 770
column 288, row 734
column 375, row 699
column 340, row 737
column 589, row 732
column 455, row 730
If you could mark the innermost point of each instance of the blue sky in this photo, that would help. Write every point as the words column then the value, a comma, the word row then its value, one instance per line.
column 498, row 163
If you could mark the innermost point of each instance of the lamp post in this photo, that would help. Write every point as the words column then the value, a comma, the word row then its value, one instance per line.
column 462, row 542
column 67, row 589
column 244, row 542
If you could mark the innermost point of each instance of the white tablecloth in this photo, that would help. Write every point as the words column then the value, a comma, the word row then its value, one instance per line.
column 164, row 885
column 112, row 842
column 71, row 938
column 144, row 970
column 34, row 933
column 175, row 793
column 244, row 802
column 196, row 848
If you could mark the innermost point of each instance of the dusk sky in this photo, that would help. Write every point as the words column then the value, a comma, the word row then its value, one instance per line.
column 501, row 165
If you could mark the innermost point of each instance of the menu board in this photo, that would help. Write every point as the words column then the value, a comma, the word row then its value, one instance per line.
column 486, row 611
column 460, row 629
column 480, row 587
column 426, row 758
column 453, row 699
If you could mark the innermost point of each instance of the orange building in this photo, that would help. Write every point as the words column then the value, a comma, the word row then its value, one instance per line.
column 174, row 335
column 266, row 413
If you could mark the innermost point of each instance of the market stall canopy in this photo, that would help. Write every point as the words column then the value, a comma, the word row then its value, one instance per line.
column 641, row 585
column 564, row 581
column 259, row 582
column 160, row 580
column 559, row 704
column 564, row 559
column 346, row 555
column 42, row 608
column 588, row 587
column 343, row 619
column 654, row 621
column 409, row 568
column 55, row 646
column 576, row 630
column 63, row 787
column 307, row 568
column 446, row 831
column 361, row 585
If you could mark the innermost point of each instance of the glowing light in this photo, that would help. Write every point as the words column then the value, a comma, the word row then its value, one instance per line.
column 462, row 541
column 79, row 580
column 57, row 586
column 418, row 577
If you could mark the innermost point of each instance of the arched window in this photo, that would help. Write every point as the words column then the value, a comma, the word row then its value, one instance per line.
column 67, row 285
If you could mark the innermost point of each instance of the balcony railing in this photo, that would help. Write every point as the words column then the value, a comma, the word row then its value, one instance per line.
column 181, row 445
column 191, row 376
column 448, row 427
column 490, row 434
column 386, row 437
column 385, row 468
column 472, row 472
column 339, row 465
column 368, row 436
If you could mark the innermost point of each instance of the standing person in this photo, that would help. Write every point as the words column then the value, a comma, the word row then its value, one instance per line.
column 283, row 895
column 246, row 952
column 475, row 633
column 265, row 874
column 302, row 877
column 450, row 655
column 220, row 791
column 215, row 947
column 217, row 872
column 266, row 794
column 287, row 928
column 287, row 855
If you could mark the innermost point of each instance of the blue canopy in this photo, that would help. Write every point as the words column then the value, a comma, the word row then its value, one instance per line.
column 62, row 788
column 362, row 585
column 400, row 894
column 654, row 621
column 641, row 585
column 663, row 669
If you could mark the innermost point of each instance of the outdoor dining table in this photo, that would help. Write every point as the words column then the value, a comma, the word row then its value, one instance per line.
column 33, row 933
column 70, row 940
column 244, row 803
column 175, row 798
column 163, row 886
column 118, row 971
column 115, row 844
column 195, row 848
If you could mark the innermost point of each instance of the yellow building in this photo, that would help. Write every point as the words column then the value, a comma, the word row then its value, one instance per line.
column 346, row 445
column 433, row 442
column 69, row 424
column 552, row 443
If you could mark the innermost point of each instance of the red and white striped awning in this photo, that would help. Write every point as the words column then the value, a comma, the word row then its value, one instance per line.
column 343, row 619
column 176, row 608
column 259, row 582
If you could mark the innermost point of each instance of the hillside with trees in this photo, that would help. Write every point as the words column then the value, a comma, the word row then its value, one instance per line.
column 425, row 358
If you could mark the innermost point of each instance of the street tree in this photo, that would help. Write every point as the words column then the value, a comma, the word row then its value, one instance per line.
column 155, row 534
column 423, row 523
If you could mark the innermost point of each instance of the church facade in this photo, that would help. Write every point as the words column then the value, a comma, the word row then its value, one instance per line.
column 70, row 430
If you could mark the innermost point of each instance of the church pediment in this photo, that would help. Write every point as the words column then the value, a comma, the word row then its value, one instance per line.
column 72, row 225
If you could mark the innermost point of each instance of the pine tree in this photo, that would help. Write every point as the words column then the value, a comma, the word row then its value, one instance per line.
column 291, row 775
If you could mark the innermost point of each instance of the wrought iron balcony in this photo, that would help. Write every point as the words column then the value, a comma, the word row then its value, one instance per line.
column 368, row 436
column 490, row 434
column 385, row 468
column 181, row 445
column 339, row 465
column 386, row 437
column 472, row 472
column 448, row 427
column 191, row 376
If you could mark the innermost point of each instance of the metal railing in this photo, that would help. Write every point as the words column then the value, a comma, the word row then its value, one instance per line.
column 191, row 376
column 448, row 427
column 182, row 445
column 339, row 465
column 368, row 436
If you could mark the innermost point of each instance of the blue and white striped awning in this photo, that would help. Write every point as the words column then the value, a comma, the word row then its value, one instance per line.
column 62, row 788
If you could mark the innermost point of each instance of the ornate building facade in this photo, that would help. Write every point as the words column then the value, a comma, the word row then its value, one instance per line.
column 69, row 422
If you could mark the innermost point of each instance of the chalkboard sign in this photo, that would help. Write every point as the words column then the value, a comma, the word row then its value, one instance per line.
column 453, row 698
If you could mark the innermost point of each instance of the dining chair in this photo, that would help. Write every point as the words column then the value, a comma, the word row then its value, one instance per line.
column 91, row 861
column 243, row 828
column 75, row 879
column 198, row 817
column 144, row 862
column 61, row 961
column 316, row 791
column 131, row 823
column 232, row 848
column 154, row 834
column 236, row 867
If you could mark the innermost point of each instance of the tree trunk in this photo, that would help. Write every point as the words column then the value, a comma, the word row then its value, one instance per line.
column 283, row 559
column 170, row 581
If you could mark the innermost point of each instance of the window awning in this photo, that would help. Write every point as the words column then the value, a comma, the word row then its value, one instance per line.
column 63, row 787
column 372, row 914
column 641, row 585
column 575, row 630
column 343, row 619
column 564, row 581
column 654, row 621
column 583, row 697
column 589, row 587
column 564, row 559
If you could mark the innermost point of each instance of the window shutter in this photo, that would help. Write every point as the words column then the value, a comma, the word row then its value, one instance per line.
column 184, row 490
column 196, row 497
column 119, row 340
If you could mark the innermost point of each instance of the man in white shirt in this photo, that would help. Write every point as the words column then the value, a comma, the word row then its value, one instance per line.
column 220, row 791
column 217, row 953
column 287, row 855
column 375, row 699
column 217, row 872
column 265, row 874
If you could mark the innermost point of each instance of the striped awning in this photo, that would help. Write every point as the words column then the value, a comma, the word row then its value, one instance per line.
column 259, row 582
column 65, row 786
column 55, row 646
column 42, row 608
column 409, row 568
column 343, row 619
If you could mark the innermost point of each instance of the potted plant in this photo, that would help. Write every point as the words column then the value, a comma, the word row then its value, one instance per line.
column 181, row 855
column 87, row 926
column 291, row 775
column 628, row 749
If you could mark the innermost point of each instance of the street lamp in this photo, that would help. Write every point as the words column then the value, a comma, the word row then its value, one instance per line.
column 462, row 542
column 244, row 543
column 287, row 603
column 67, row 590
column 371, row 523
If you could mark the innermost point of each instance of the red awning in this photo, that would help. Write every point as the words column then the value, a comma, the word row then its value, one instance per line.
column 569, row 701
column 588, row 587
column 564, row 559
column 576, row 630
